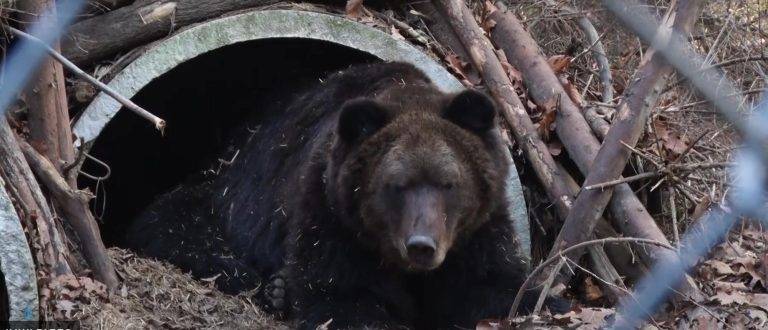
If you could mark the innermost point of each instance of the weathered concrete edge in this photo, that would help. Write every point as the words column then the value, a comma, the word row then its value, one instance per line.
column 269, row 24
column 249, row 26
column 16, row 263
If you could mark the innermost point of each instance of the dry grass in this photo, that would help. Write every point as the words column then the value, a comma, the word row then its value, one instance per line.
column 157, row 295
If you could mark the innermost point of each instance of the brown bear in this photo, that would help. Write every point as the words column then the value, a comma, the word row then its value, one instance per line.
column 400, row 218
column 379, row 198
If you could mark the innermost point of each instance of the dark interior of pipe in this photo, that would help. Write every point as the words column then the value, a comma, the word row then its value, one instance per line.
column 208, row 102
column 4, row 308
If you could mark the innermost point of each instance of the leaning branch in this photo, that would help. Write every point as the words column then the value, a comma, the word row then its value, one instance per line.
column 629, row 214
column 74, row 204
column 25, row 189
column 611, row 160
column 158, row 122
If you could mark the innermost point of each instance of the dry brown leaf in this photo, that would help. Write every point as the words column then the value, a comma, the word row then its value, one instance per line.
column 456, row 65
column 488, row 25
column 592, row 290
column 584, row 318
column 354, row 9
column 559, row 63
column 514, row 75
column 720, row 267
column 730, row 286
column 555, row 147
column 747, row 265
column 706, row 322
column 701, row 207
column 572, row 92
column 672, row 140
column 395, row 33
column 547, row 122
column 741, row 298
column 489, row 7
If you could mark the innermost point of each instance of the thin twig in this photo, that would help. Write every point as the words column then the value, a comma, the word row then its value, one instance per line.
column 760, row 58
column 664, row 170
column 693, row 104
column 628, row 179
column 547, row 286
column 157, row 121
column 673, row 210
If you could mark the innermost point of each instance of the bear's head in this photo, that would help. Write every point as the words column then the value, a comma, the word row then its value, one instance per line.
column 414, row 171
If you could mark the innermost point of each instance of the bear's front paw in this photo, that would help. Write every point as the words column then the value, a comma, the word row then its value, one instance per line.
column 274, row 299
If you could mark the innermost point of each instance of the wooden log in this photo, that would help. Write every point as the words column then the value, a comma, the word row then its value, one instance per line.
column 629, row 213
column 122, row 29
column 24, row 188
column 628, row 127
column 49, row 130
column 632, row 115
column 74, row 204
column 553, row 178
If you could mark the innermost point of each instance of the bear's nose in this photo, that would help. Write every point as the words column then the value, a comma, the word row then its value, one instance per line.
column 421, row 248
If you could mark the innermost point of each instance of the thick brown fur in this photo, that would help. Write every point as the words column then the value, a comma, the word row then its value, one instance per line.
column 318, row 192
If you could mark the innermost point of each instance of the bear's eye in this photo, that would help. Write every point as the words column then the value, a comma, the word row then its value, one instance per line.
column 447, row 185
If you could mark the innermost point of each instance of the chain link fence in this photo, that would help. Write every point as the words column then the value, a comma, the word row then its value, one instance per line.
column 745, row 199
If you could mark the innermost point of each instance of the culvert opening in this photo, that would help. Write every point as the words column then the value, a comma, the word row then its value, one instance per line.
column 5, row 311
column 208, row 102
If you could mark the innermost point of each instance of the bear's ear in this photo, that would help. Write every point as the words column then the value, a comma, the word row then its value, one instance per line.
column 360, row 118
column 472, row 111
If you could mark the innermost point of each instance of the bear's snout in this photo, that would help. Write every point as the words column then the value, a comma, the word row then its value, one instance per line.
column 421, row 250
column 423, row 236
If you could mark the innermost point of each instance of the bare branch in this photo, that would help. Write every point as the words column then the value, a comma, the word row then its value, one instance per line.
column 158, row 122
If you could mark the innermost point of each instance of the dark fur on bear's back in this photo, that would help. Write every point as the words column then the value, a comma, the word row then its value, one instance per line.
column 305, row 194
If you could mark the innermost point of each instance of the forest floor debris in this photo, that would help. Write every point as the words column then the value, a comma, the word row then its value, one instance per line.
column 154, row 294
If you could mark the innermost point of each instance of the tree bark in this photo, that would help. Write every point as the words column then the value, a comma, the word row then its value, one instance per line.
column 105, row 35
column 553, row 178
column 49, row 130
column 612, row 157
column 629, row 214
column 74, row 204
column 631, row 118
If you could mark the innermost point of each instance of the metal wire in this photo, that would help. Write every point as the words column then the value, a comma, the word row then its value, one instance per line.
column 750, row 173
column 748, row 195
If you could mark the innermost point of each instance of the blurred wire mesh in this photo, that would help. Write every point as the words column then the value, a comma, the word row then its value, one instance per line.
column 747, row 198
